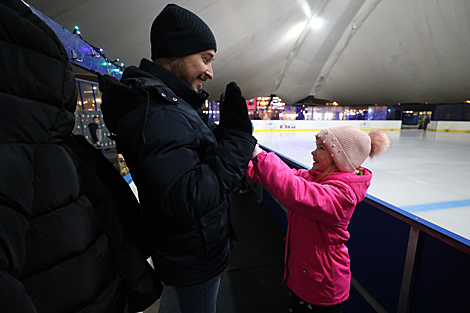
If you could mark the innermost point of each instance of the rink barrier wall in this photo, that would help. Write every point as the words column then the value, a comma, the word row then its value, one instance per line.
column 309, row 125
column 449, row 126
column 284, row 125
column 399, row 262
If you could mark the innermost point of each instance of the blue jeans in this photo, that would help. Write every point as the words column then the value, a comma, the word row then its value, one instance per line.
column 201, row 298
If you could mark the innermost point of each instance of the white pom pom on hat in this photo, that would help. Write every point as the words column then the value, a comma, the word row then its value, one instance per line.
column 349, row 146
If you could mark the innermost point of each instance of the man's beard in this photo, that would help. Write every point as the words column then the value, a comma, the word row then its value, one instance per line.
column 180, row 70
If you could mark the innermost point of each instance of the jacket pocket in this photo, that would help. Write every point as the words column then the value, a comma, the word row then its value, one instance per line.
column 309, row 269
column 215, row 231
column 214, row 216
column 317, row 274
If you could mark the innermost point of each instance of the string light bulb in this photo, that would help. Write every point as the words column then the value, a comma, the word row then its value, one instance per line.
column 76, row 31
column 108, row 61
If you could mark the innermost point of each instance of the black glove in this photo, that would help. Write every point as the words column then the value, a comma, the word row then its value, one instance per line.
column 235, row 111
column 220, row 128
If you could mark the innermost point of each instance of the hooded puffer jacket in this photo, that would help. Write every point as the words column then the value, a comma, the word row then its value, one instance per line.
column 62, row 245
column 183, row 175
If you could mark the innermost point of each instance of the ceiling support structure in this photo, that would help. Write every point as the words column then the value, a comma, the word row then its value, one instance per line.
column 298, row 45
column 361, row 16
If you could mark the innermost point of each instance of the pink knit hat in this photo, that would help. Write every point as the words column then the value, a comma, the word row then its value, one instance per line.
column 349, row 146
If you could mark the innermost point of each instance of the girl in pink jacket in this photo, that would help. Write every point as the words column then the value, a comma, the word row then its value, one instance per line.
column 320, row 203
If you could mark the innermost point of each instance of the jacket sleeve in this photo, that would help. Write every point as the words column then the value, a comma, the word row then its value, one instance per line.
column 120, row 215
column 13, row 229
column 320, row 202
column 189, row 172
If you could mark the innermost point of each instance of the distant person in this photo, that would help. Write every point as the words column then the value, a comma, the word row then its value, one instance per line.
column 320, row 203
column 95, row 132
column 63, row 247
column 426, row 122
column 183, row 171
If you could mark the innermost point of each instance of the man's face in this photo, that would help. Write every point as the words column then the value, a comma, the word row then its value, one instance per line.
column 195, row 69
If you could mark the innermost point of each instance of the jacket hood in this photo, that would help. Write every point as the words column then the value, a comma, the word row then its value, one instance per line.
column 122, row 96
column 137, row 85
column 37, row 87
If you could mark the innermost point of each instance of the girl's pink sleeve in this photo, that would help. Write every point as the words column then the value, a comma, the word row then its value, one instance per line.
column 323, row 203
column 250, row 173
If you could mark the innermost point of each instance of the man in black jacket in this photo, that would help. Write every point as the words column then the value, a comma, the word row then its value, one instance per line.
column 95, row 132
column 63, row 245
column 183, row 172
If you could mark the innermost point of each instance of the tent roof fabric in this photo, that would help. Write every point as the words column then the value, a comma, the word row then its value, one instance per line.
column 349, row 51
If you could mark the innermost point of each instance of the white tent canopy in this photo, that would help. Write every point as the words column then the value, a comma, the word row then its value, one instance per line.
column 348, row 51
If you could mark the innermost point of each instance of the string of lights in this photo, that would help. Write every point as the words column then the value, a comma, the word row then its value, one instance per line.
column 97, row 52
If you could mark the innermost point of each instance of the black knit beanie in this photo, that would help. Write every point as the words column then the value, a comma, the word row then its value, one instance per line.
column 178, row 32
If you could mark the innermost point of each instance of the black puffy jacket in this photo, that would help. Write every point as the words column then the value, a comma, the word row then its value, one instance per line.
column 183, row 175
column 63, row 247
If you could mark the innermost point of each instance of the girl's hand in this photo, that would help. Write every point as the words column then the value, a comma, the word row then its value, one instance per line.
column 256, row 151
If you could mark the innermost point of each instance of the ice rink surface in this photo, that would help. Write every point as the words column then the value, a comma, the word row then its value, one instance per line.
column 426, row 173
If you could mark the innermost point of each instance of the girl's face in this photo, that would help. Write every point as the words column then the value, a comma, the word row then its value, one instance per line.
column 322, row 160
